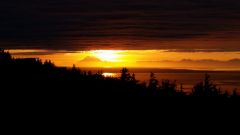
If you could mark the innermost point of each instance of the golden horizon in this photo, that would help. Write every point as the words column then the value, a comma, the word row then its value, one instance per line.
column 136, row 58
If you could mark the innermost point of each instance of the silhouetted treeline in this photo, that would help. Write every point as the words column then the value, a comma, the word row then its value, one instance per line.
column 31, row 77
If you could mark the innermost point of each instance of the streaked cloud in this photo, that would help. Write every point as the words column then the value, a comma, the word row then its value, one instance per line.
column 120, row 24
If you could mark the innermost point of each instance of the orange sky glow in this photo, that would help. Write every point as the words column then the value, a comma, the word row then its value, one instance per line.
column 137, row 58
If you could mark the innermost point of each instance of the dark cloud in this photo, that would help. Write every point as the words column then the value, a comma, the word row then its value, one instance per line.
column 203, row 50
column 124, row 24
column 32, row 53
column 46, row 52
column 231, row 61
column 41, row 52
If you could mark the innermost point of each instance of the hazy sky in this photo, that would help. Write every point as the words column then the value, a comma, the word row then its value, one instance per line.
column 209, row 25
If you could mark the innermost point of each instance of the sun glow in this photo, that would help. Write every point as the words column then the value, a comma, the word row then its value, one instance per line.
column 107, row 55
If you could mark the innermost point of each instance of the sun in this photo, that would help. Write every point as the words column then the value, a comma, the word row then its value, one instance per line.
column 107, row 55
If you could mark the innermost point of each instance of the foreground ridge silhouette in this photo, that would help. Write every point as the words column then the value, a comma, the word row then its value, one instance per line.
column 30, row 78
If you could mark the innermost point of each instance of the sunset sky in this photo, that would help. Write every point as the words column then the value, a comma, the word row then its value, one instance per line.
column 192, row 34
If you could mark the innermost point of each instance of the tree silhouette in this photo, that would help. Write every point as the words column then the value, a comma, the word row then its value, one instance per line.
column 234, row 94
column 30, row 77
column 48, row 64
column 168, row 88
column 206, row 88
column 153, row 82
column 125, row 75
column 5, row 56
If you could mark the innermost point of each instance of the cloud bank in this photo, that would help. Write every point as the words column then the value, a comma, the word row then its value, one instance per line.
column 120, row 24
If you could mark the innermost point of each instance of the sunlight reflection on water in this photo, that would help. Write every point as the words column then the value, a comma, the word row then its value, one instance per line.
column 109, row 74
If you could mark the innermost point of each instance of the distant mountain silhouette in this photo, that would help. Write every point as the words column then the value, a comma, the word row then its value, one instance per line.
column 235, row 60
column 192, row 60
column 90, row 59
column 199, row 64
